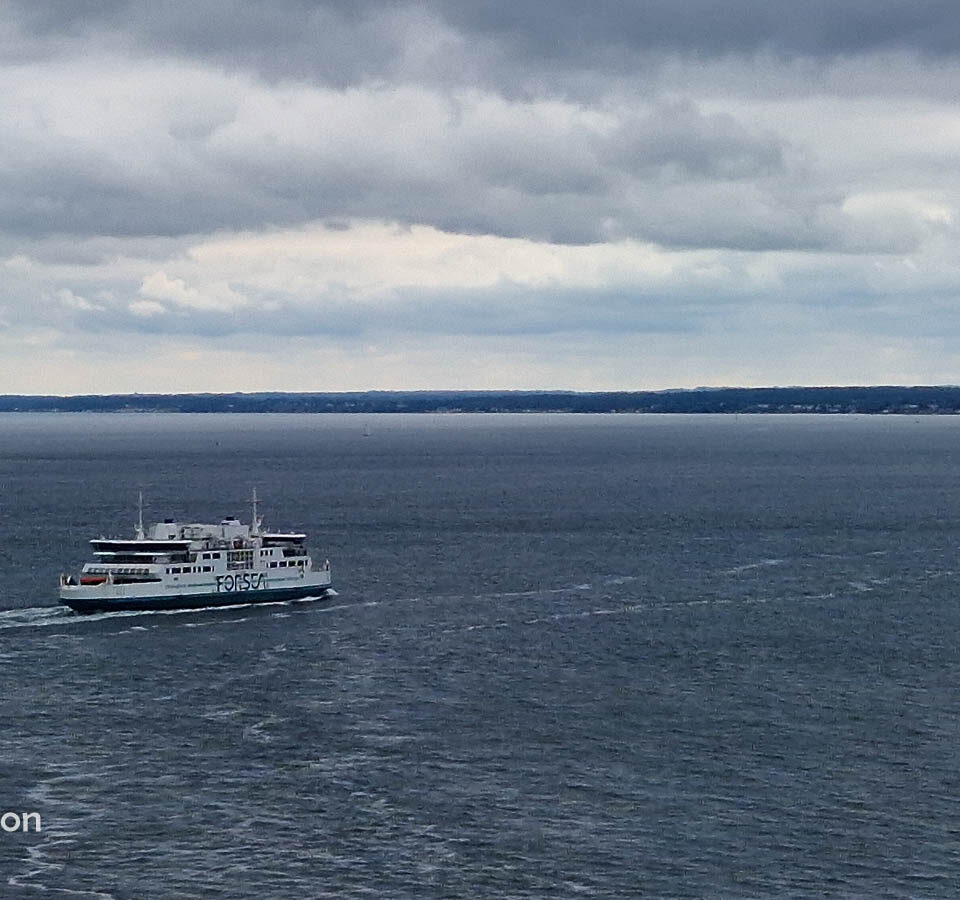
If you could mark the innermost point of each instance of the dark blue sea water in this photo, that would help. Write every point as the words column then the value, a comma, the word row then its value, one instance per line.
column 612, row 656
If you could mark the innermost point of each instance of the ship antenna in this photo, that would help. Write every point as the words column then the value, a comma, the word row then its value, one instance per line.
column 255, row 527
column 140, row 534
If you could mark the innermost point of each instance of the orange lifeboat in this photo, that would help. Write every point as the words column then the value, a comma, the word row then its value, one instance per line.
column 93, row 579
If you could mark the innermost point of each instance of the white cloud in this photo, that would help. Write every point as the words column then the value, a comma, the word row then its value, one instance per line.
column 70, row 300
column 216, row 295
column 146, row 308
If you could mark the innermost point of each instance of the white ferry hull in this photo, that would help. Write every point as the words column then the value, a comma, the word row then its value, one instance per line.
column 225, row 591
column 192, row 565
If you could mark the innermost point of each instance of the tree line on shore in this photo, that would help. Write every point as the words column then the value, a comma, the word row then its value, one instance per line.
column 828, row 400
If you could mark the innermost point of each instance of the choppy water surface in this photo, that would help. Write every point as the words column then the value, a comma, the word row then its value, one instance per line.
column 570, row 656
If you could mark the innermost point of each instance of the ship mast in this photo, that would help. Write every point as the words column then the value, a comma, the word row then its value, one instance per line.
column 140, row 532
column 255, row 527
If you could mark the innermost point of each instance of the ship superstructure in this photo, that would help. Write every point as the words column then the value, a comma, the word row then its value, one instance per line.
column 176, row 565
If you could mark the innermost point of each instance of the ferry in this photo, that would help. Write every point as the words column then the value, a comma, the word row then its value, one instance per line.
column 176, row 565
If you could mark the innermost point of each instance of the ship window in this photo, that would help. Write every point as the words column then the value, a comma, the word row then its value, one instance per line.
column 273, row 565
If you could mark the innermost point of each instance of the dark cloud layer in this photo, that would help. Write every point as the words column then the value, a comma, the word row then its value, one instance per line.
column 479, row 165
column 343, row 42
column 572, row 29
column 417, row 113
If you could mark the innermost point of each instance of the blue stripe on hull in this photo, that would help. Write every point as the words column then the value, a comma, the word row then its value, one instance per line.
column 193, row 601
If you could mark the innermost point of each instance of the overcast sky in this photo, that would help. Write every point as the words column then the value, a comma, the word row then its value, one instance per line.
column 215, row 195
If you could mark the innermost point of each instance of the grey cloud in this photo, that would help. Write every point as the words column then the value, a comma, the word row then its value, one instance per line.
column 541, row 171
column 95, row 251
column 677, row 137
column 333, row 42
column 501, row 311
column 340, row 42
column 236, row 153
column 514, row 311
column 526, row 311
column 59, row 201
column 572, row 29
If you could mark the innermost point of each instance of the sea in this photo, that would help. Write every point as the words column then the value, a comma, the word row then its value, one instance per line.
column 569, row 656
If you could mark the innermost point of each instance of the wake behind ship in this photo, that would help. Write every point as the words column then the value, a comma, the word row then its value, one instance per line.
column 188, row 566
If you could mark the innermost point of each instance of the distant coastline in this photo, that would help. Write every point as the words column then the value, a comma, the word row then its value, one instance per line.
column 878, row 400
